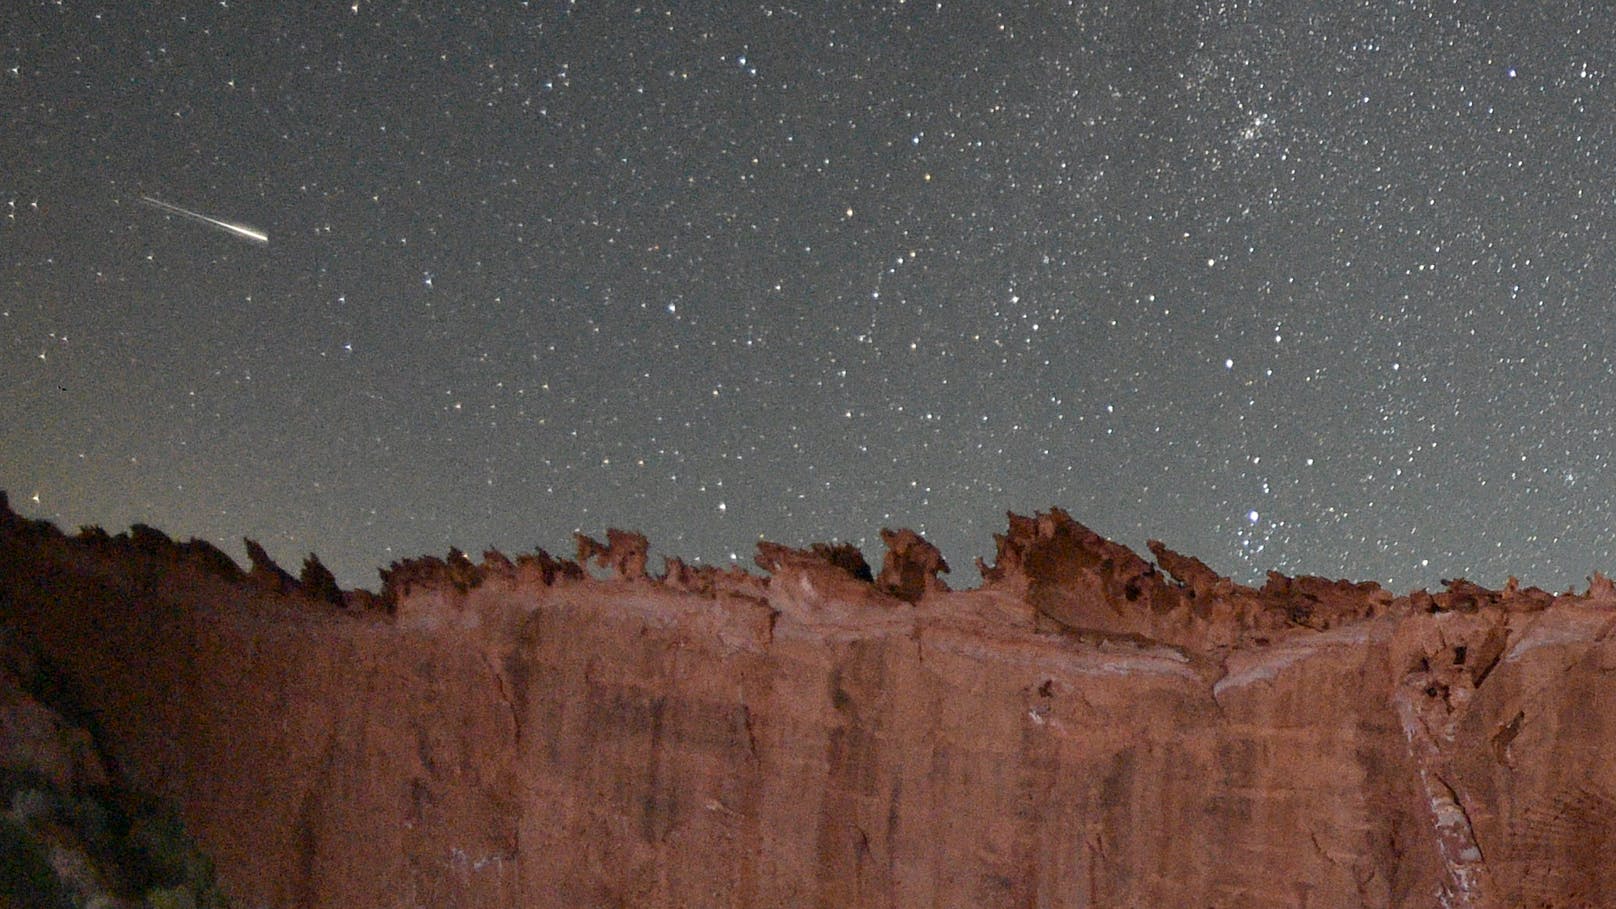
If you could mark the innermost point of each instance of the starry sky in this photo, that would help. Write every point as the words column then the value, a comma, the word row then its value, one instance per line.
column 1321, row 287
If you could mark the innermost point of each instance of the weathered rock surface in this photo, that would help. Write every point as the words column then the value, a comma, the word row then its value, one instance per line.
column 1088, row 728
column 71, row 833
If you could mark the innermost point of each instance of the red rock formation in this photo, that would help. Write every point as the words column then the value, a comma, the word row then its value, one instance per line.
column 317, row 582
column 1085, row 729
column 624, row 552
column 265, row 573
column 542, row 568
column 909, row 570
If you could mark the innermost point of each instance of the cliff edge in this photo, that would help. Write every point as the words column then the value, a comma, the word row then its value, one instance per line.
column 1086, row 728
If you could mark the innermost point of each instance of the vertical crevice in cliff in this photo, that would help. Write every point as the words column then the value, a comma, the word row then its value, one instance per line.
column 1449, row 649
column 750, row 729
column 660, row 807
column 849, row 872
column 1469, row 883
column 505, row 698
column 310, row 814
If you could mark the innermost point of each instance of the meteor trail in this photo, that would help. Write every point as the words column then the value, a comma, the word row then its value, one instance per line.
column 243, row 231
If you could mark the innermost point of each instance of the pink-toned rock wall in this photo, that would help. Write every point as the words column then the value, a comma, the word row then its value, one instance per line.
column 1083, row 730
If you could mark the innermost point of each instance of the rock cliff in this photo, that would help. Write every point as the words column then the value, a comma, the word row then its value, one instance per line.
column 1086, row 728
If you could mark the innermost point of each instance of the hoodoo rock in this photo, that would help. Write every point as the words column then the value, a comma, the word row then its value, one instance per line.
column 1087, row 728
column 911, row 566
column 624, row 552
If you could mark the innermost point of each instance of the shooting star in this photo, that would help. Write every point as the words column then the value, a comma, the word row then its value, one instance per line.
column 243, row 231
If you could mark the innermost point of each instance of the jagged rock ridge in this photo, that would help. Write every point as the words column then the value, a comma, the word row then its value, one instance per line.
column 1087, row 728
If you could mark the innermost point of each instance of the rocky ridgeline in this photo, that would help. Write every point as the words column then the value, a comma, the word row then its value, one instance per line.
column 1076, row 579
column 1086, row 727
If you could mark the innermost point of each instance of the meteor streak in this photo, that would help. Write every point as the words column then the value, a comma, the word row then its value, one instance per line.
column 243, row 231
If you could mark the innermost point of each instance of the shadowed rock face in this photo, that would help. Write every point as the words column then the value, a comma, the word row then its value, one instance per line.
column 71, row 834
column 1088, row 728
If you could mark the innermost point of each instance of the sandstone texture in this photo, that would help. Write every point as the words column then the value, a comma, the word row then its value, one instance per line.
column 1086, row 728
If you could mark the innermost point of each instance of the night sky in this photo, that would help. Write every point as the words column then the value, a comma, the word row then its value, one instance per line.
column 1319, row 287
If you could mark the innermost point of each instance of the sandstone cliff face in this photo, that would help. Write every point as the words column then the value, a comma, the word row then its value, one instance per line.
column 1086, row 729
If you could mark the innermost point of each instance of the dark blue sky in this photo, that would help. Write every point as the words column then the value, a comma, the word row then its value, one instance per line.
column 1318, row 287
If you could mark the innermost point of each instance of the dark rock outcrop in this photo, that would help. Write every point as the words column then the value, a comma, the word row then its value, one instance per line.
column 264, row 572
column 72, row 833
column 318, row 583
column 625, row 553
column 911, row 566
